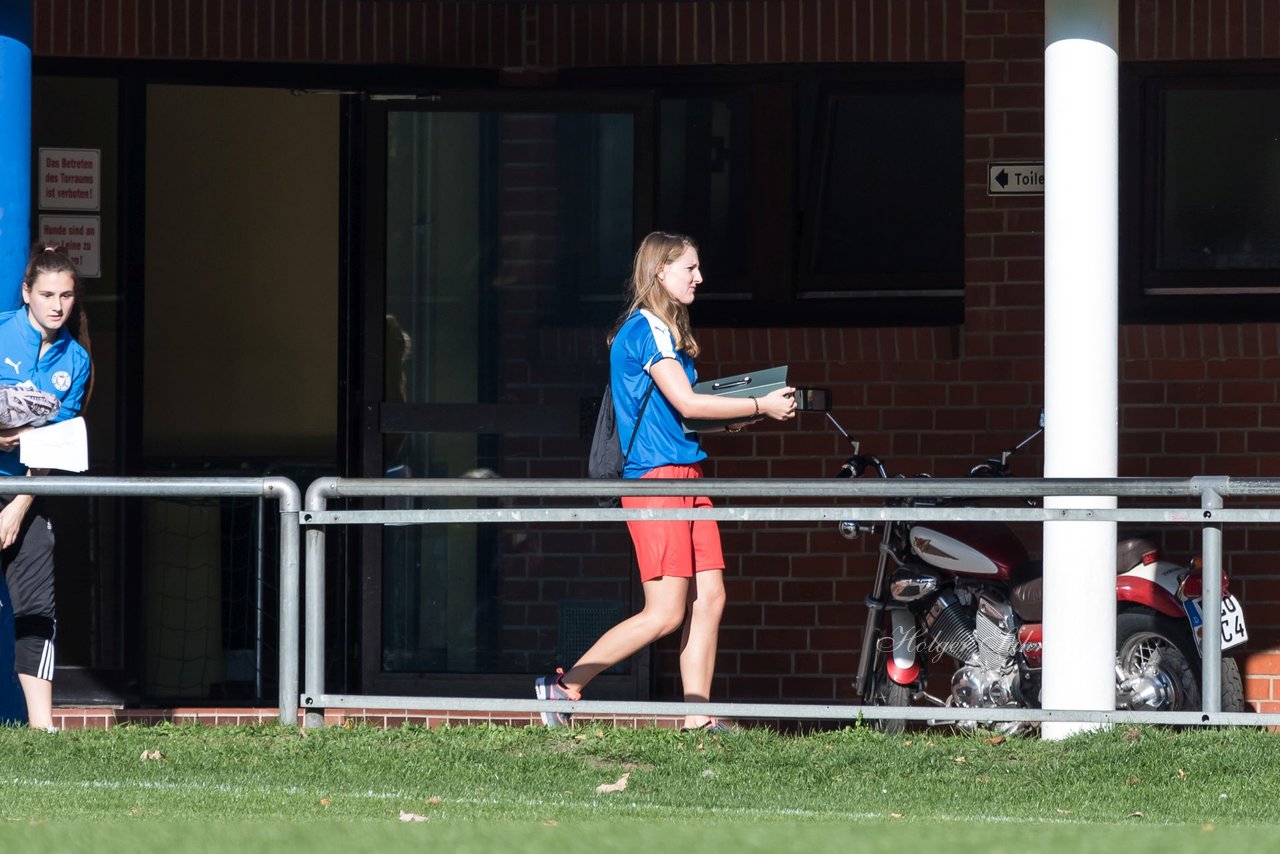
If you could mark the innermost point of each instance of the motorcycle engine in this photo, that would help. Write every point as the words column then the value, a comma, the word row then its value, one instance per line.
column 990, row 678
column 950, row 626
column 980, row 632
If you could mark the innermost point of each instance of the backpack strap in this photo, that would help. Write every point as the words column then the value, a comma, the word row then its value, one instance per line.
column 635, row 431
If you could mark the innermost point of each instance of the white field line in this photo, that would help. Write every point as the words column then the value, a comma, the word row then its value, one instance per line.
column 605, row 804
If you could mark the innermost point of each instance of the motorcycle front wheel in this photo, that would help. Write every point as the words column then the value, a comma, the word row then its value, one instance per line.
column 1160, row 650
column 885, row 692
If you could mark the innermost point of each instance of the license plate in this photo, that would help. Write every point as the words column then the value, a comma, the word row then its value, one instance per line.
column 1234, row 631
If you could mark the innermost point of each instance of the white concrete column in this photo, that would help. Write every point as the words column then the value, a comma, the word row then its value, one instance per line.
column 1081, row 332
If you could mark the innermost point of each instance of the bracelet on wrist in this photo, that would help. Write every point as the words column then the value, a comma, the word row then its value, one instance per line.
column 756, row 404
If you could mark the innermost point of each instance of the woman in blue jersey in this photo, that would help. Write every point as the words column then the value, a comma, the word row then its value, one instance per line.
column 43, row 345
column 681, row 563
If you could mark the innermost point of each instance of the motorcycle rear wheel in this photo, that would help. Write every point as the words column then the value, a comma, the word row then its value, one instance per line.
column 1145, row 637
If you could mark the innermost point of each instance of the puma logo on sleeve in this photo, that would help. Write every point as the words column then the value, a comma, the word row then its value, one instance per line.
column 17, row 366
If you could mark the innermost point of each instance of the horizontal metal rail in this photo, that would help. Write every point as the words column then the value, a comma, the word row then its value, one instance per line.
column 843, row 488
column 446, row 516
column 281, row 489
column 787, row 711
column 1204, row 495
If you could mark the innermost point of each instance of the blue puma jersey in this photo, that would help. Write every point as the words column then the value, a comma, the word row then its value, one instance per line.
column 63, row 371
column 642, row 341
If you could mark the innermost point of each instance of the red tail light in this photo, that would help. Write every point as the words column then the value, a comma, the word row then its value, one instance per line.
column 1193, row 584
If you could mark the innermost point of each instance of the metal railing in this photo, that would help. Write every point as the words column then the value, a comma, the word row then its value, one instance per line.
column 281, row 489
column 1210, row 515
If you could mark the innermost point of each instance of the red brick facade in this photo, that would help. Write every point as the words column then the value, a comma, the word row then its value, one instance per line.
column 1195, row 398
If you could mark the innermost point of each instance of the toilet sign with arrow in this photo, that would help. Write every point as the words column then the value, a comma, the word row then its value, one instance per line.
column 1015, row 178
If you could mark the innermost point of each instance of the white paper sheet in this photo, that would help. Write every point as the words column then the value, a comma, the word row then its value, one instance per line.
column 63, row 446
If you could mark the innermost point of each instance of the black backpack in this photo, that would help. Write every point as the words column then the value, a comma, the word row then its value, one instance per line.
column 607, row 458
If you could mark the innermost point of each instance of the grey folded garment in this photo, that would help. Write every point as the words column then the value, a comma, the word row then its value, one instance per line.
column 26, row 407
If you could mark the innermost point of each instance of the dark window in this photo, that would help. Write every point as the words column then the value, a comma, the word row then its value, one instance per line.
column 885, row 211
column 819, row 195
column 1202, row 200
column 1220, row 180
column 703, row 182
column 595, row 154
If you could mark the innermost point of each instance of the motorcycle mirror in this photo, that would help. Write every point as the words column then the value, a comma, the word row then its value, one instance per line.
column 813, row 400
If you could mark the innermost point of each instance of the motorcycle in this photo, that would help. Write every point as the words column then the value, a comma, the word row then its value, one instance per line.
column 967, row 596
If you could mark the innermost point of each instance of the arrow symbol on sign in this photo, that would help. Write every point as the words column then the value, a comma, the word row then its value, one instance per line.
column 1002, row 178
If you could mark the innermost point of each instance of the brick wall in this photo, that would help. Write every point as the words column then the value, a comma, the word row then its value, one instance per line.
column 515, row 35
column 574, row 33
column 1194, row 398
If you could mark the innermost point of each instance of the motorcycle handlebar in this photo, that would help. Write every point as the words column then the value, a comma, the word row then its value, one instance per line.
column 858, row 464
column 991, row 468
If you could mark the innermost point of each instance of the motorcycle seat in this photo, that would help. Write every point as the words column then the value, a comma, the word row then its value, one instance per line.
column 1026, row 591
column 1132, row 551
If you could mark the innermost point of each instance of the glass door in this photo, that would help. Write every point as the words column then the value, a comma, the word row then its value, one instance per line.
column 499, row 236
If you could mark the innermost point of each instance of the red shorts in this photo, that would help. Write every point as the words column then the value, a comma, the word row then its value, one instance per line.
column 674, row 547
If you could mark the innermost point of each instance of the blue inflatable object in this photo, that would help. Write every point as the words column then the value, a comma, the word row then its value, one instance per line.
column 15, row 148
column 13, row 707
column 15, row 241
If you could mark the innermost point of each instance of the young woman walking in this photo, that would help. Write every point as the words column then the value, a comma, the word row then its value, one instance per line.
column 651, row 359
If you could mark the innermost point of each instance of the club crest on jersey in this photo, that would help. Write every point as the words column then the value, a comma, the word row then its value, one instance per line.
column 61, row 380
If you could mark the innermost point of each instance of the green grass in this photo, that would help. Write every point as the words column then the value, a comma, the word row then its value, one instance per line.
column 489, row 788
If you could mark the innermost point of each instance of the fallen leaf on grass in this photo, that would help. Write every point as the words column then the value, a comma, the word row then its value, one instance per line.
column 1137, row 815
column 324, row 802
column 551, row 822
column 995, row 739
column 961, row 760
column 148, row 755
column 1182, row 775
column 1061, row 811
column 895, row 815
column 1133, row 781
column 411, row 816
column 614, row 787
column 434, row 799
column 1132, row 734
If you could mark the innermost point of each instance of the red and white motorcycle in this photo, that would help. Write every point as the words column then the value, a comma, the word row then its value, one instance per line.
column 966, row 596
